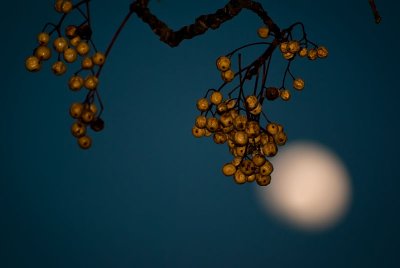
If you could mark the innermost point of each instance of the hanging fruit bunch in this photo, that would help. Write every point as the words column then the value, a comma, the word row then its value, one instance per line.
column 237, row 118
column 66, row 45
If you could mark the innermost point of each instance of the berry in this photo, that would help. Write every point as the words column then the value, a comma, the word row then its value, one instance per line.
column 76, row 110
column 223, row 63
column 266, row 168
column 280, row 138
column 203, row 105
column 87, row 116
column 222, row 108
column 247, row 167
column 87, row 63
column 83, row 48
column 198, row 132
column 70, row 31
column 220, row 138
column 293, row 46
column 312, row 54
column 284, row 47
column 32, row 64
column 263, row 180
column 97, row 124
column 258, row 160
column 270, row 149
column 240, row 122
column 60, row 44
column 201, row 121
column 59, row 68
column 303, row 52
column 241, row 138
column 43, row 53
column 63, row 6
column 75, row 41
column 252, row 129
column 228, row 169
column 285, row 94
column 226, row 120
column 99, row 58
column 91, row 82
column 251, row 102
column 78, row 129
column 272, row 128
column 322, row 52
column 272, row 93
column 70, row 55
column 263, row 32
column 240, row 177
column 257, row 110
column 298, row 84
column 216, row 98
column 251, row 178
column 230, row 103
column 85, row 142
column 212, row 124
column 43, row 38
column 228, row 76
column 236, row 161
column 288, row 55
column 75, row 83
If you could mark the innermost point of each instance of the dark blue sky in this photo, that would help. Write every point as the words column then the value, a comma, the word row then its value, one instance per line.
column 150, row 195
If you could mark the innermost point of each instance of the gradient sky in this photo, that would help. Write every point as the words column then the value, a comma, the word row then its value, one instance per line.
column 148, row 194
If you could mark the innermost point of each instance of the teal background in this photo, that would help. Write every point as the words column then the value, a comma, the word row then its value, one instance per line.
column 150, row 195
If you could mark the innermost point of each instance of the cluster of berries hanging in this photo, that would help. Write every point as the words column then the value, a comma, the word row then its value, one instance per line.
column 238, row 121
column 73, row 45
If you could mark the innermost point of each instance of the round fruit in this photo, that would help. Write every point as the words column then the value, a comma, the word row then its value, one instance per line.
column 251, row 102
column 226, row 120
column 99, row 58
column 91, row 82
column 298, row 84
column 240, row 122
column 228, row 169
column 241, row 138
column 266, row 168
column 272, row 93
column 263, row 180
column 247, row 167
column 70, row 55
column 216, row 98
column 43, row 53
column 60, row 44
column 43, row 38
column 303, row 52
column 87, row 63
column 59, row 68
column 285, row 94
column 212, row 124
column 312, row 54
column 87, row 116
column 258, row 160
column 75, row 41
column 228, row 76
column 203, row 105
column 322, row 52
column 198, row 132
column 223, row 63
column 201, row 121
column 293, row 46
column 75, row 83
column 240, row 178
column 76, row 110
column 288, row 55
column 70, row 31
column 272, row 128
column 270, row 149
column 220, row 138
column 97, row 124
column 280, row 138
column 85, row 142
column 32, row 64
column 284, row 47
column 78, row 129
column 83, row 48
column 263, row 32
column 222, row 108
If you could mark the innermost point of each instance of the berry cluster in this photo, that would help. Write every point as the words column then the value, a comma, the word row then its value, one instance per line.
column 238, row 119
column 70, row 44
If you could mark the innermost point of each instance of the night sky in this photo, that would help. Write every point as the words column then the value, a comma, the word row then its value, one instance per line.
column 148, row 194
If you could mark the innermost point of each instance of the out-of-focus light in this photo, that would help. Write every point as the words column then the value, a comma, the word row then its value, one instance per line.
column 310, row 187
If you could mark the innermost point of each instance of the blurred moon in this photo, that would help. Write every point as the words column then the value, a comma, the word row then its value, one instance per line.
column 310, row 187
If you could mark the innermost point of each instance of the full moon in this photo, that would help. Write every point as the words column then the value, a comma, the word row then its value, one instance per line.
column 310, row 187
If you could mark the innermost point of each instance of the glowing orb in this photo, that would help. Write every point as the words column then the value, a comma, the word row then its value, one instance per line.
column 310, row 187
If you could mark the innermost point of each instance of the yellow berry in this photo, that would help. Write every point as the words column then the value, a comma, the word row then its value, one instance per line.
column 43, row 53
column 91, row 82
column 99, row 58
column 298, row 84
column 258, row 160
column 263, row 32
column 76, row 110
column 266, row 168
column 203, row 105
column 293, row 46
column 240, row 177
column 222, row 108
column 70, row 55
column 223, row 63
column 284, row 47
column 240, row 122
column 201, row 121
column 280, row 138
column 226, row 120
column 288, row 55
column 87, row 116
column 230, row 104
column 32, row 64
column 220, row 138
column 285, row 94
column 251, row 102
column 253, row 129
column 272, row 128
column 228, row 76
column 75, row 83
column 63, row 6
column 83, row 48
column 241, row 138
column 303, row 52
column 75, row 41
column 322, row 52
column 43, row 38
column 198, row 132
column 228, row 169
column 59, row 68
column 70, row 31
column 87, row 63
column 257, row 110
column 60, row 44
column 236, row 161
column 270, row 149
column 216, row 98
column 212, row 124
column 263, row 180
column 78, row 129
column 85, row 142
column 312, row 54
